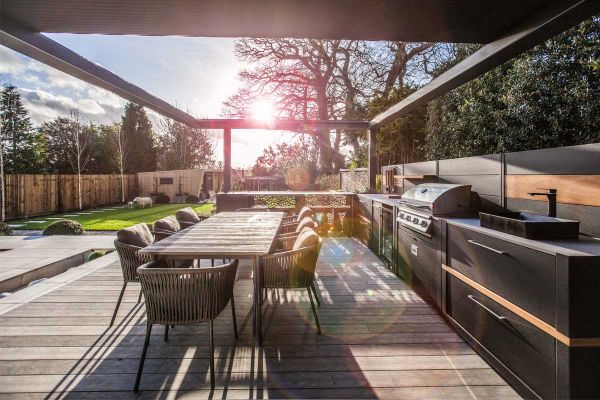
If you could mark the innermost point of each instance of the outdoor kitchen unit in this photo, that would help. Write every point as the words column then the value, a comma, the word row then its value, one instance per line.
column 419, row 233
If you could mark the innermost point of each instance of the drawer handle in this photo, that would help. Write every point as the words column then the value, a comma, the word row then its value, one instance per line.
column 489, row 311
column 487, row 247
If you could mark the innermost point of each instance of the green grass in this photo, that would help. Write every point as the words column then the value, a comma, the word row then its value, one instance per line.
column 115, row 219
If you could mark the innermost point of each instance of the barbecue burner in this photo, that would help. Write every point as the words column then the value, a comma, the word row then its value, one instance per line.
column 420, row 204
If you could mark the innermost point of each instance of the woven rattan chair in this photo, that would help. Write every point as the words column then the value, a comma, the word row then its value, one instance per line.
column 295, row 218
column 131, row 259
column 177, row 296
column 293, row 269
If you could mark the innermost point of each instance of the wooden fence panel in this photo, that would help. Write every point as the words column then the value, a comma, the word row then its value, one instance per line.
column 32, row 195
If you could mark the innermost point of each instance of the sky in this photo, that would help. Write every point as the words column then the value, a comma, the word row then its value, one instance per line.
column 193, row 74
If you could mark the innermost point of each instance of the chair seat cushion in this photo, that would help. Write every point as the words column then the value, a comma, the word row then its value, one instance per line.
column 306, row 223
column 137, row 235
column 168, row 224
column 306, row 238
column 187, row 215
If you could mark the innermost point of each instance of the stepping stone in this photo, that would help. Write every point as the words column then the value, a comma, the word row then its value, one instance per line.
column 70, row 215
column 15, row 225
column 54, row 218
column 84, row 213
column 95, row 211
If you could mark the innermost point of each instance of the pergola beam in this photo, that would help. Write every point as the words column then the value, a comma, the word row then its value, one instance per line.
column 49, row 52
column 549, row 22
column 291, row 125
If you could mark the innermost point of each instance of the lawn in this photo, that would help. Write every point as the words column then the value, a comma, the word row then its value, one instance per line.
column 112, row 220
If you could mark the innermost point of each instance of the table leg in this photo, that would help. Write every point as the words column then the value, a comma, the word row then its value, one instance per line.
column 257, row 299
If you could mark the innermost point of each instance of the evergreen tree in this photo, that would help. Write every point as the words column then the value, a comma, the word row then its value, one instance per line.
column 24, row 148
column 140, row 140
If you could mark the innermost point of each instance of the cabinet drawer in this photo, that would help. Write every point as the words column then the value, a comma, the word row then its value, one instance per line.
column 419, row 265
column 524, row 349
column 523, row 276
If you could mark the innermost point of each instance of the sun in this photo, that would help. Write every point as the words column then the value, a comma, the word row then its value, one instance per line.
column 263, row 110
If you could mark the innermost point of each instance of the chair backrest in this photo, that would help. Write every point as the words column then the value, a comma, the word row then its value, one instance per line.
column 187, row 215
column 305, row 212
column 180, row 296
column 131, row 259
column 291, row 269
column 138, row 235
column 167, row 224
column 306, row 223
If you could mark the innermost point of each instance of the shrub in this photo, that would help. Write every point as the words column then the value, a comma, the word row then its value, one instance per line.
column 192, row 199
column 5, row 230
column 162, row 199
column 95, row 254
column 64, row 227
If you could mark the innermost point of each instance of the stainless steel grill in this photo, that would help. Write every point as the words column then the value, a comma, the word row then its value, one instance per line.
column 420, row 204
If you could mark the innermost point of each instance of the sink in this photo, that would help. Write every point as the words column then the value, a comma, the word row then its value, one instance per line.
column 531, row 226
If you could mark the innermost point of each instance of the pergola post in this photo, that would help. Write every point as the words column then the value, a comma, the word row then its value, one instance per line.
column 372, row 158
column 226, row 160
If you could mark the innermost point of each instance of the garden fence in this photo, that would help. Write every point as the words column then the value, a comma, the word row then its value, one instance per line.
column 31, row 195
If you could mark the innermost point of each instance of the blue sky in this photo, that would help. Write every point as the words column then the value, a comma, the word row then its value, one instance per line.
column 194, row 74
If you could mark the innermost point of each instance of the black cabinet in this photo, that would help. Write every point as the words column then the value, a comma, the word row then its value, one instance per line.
column 419, row 265
column 363, row 220
column 523, row 276
column 525, row 350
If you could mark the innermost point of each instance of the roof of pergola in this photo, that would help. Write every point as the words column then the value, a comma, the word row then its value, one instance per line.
column 507, row 27
column 406, row 20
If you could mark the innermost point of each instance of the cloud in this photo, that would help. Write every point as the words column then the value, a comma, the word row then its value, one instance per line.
column 44, row 106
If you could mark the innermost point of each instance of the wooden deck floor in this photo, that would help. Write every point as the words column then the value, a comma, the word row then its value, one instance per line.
column 380, row 340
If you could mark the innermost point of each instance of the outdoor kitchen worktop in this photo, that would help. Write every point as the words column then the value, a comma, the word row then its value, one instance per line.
column 381, row 198
column 585, row 246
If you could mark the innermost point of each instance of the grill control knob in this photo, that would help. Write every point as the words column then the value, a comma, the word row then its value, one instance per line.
column 423, row 224
column 401, row 216
column 415, row 220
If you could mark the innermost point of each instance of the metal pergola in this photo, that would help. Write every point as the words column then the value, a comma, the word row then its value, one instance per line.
column 507, row 28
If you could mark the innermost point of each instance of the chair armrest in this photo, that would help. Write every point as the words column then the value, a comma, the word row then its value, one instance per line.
column 287, row 242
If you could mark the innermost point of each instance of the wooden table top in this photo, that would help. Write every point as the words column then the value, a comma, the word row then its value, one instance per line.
column 224, row 235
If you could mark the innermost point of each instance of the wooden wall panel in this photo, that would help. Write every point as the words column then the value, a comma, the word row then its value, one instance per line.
column 572, row 189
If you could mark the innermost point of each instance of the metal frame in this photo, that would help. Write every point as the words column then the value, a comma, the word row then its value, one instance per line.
column 552, row 19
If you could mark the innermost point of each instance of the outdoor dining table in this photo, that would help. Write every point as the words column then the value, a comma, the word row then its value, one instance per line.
column 233, row 235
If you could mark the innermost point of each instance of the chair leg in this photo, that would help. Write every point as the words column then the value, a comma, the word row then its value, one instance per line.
column 166, row 332
column 112, row 321
column 143, row 358
column 314, row 289
column 234, row 318
column 212, row 354
column 140, row 296
column 312, row 304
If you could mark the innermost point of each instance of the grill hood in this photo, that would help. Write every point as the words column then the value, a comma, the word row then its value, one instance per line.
column 438, row 198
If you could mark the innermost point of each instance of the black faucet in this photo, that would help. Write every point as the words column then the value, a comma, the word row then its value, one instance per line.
column 551, row 194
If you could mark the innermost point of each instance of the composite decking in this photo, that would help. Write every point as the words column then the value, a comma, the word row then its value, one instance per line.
column 379, row 340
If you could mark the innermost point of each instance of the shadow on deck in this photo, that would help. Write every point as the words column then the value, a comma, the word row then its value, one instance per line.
column 380, row 340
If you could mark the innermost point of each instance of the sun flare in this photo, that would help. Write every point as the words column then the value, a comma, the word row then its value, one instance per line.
column 263, row 110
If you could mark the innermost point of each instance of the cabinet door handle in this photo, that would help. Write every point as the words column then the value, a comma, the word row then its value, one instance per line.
column 489, row 311
column 487, row 247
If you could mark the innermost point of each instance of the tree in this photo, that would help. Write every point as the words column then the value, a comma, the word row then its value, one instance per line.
column 325, row 79
column 183, row 147
column 104, row 157
column 547, row 97
column 139, row 136
column 24, row 148
column 296, row 162
column 70, row 145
